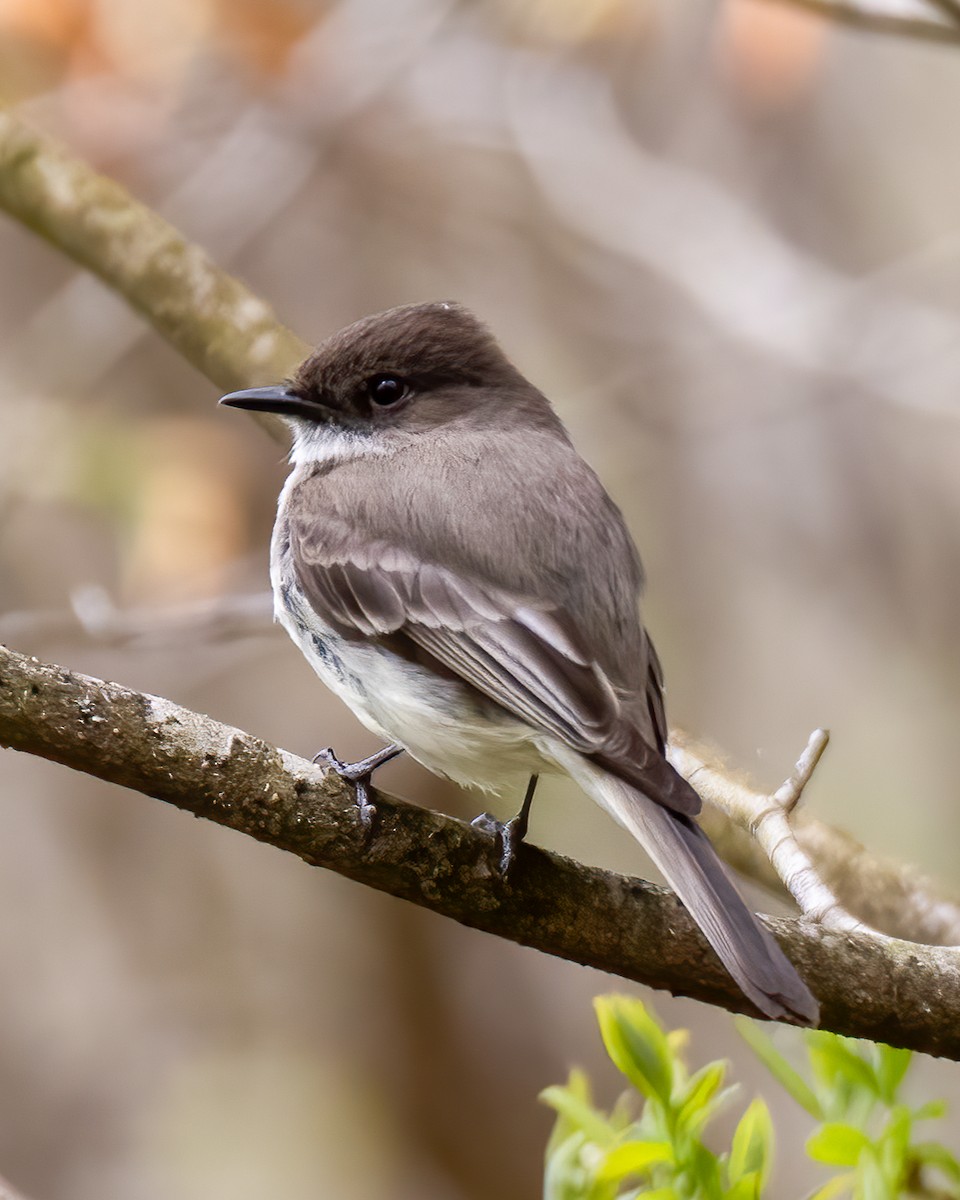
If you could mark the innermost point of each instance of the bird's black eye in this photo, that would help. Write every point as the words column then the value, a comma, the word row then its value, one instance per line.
column 387, row 390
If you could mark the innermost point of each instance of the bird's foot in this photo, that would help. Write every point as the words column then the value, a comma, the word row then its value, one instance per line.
column 359, row 773
column 507, row 836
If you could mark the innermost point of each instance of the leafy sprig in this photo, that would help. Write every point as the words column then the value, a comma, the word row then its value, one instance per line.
column 651, row 1143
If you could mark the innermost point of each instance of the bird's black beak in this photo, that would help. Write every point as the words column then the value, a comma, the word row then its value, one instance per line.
column 279, row 399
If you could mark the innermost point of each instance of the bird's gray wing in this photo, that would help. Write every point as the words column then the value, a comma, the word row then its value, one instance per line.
column 527, row 657
column 654, row 695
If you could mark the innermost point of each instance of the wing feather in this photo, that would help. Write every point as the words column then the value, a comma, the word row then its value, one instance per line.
column 524, row 656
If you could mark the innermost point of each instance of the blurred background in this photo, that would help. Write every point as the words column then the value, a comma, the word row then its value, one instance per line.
column 724, row 238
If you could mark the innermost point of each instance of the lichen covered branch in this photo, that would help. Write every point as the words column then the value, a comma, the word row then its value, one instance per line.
column 897, row 992
column 879, row 893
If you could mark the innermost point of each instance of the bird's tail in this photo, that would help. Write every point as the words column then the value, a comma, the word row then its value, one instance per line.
column 681, row 850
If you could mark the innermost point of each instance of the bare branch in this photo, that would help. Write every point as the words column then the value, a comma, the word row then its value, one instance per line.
column 880, row 893
column 213, row 320
column 7, row 1192
column 859, row 887
column 926, row 20
column 893, row 991
column 789, row 793
column 897, row 992
column 94, row 615
column 767, row 820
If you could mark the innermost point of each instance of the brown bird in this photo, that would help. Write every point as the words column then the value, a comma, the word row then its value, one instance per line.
column 455, row 572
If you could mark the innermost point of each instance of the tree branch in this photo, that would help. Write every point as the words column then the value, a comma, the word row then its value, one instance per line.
column 925, row 20
column 883, row 894
column 7, row 1192
column 224, row 330
column 93, row 615
column 768, row 820
column 897, row 992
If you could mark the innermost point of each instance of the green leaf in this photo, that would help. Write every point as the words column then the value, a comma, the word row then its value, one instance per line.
column 633, row 1158
column 891, row 1155
column 747, row 1187
column 931, row 1111
column 621, row 1115
column 564, row 1177
column 871, row 1184
column 752, row 1148
column 678, row 1040
column 578, row 1115
column 837, row 1144
column 579, row 1083
column 701, row 1174
column 892, row 1065
column 578, row 1087
column 932, row 1154
column 637, row 1045
column 694, row 1105
column 835, row 1186
column 893, row 1143
column 788, row 1078
column 835, row 1058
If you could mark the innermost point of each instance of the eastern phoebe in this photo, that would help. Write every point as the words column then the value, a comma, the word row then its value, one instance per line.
column 456, row 573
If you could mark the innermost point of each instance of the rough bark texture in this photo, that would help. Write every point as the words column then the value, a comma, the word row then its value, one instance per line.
column 897, row 992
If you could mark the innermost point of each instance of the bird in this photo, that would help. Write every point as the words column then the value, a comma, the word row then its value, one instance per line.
column 453, row 569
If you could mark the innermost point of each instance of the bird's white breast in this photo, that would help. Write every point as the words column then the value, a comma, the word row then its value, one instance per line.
column 442, row 723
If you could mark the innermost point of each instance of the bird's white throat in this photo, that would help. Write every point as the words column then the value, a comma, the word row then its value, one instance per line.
column 325, row 443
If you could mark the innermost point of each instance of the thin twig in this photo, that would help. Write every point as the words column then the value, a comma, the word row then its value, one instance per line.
column 876, row 892
column 767, row 818
column 789, row 792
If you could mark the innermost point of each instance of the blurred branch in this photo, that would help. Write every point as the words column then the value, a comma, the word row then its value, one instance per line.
column 214, row 201
column 752, row 283
column 8, row 1193
column 93, row 614
column 928, row 20
column 896, row 992
column 219, row 326
column 882, row 894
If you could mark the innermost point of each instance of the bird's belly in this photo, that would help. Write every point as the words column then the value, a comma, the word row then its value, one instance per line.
column 440, row 721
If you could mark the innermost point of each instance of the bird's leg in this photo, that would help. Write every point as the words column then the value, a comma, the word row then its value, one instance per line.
column 358, row 773
column 509, row 834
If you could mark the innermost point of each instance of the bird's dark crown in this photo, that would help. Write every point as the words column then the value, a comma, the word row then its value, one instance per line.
column 429, row 345
column 409, row 369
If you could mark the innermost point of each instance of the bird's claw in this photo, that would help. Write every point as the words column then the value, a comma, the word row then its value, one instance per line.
column 359, row 773
column 507, row 837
